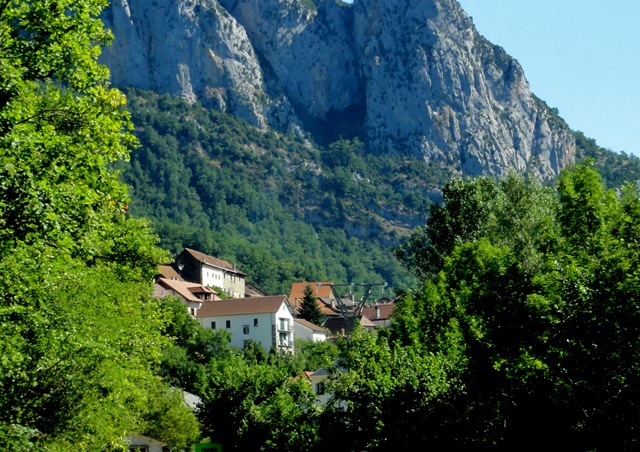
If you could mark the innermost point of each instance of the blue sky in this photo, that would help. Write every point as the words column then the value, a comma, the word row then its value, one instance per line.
column 582, row 57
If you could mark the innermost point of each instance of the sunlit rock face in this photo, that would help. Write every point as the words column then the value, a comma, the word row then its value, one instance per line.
column 421, row 79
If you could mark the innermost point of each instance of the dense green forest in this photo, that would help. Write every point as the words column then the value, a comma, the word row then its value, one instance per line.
column 81, row 340
column 282, row 207
column 525, row 321
column 275, row 204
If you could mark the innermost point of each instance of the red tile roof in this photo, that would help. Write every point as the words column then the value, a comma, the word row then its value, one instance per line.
column 386, row 310
column 213, row 261
column 237, row 306
column 323, row 292
column 168, row 272
column 297, row 290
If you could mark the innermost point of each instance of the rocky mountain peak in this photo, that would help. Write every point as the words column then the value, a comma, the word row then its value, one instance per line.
column 413, row 77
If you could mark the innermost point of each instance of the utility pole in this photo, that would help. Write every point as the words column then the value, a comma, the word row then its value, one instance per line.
column 350, row 314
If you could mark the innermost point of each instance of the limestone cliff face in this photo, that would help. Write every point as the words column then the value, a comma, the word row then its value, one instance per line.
column 191, row 48
column 429, row 85
column 437, row 88
column 309, row 48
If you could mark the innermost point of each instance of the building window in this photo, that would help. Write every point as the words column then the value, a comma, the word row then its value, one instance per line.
column 245, row 329
column 138, row 448
column 255, row 322
column 283, row 324
column 320, row 388
column 228, row 323
column 213, row 325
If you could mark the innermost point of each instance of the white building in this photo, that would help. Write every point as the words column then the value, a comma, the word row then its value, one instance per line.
column 266, row 320
column 306, row 330
column 318, row 380
column 140, row 443
column 210, row 271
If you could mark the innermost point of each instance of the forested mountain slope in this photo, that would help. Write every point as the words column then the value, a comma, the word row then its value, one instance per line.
column 281, row 207
column 304, row 139
column 273, row 203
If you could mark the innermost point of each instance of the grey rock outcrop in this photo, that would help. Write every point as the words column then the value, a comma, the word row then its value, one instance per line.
column 309, row 49
column 190, row 48
column 427, row 83
column 440, row 90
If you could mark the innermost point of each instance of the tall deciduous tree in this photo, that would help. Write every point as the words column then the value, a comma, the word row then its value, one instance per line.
column 78, row 334
column 250, row 406
column 540, row 295
column 385, row 396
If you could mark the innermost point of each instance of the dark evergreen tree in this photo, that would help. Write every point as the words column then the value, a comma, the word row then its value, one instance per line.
column 309, row 309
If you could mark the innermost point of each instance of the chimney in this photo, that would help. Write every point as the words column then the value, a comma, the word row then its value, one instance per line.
column 377, row 312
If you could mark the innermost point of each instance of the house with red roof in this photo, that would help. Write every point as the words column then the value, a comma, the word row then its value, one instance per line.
column 321, row 290
column 266, row 320
column 168, row 272
column 379, row 313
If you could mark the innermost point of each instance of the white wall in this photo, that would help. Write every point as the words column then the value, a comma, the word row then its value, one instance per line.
column 212, row 276
column 234, row 285
column 262, row 333
column 320, row 377
column 231, row 283
column 268, row 323
column 306, row 333
column 284, row 316
column 139, row 440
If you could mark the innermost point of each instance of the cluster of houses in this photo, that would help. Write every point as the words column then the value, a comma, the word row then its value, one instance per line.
column 248, row 313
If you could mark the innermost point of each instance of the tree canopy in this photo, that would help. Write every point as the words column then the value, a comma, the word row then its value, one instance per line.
column 533, row 294
column 79, row 335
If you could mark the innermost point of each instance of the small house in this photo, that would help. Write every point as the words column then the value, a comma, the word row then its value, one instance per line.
column 306, row 330
column 266, row 320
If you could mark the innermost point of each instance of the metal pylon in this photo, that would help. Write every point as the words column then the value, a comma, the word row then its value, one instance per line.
column 347, row 314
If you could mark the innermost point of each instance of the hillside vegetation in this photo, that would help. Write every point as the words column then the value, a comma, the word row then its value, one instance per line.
column 275, row 204
column 281, row 207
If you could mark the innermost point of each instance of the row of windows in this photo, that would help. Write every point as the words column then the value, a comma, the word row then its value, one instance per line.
column 214, row 275
column 217, row 275
column 245, row 328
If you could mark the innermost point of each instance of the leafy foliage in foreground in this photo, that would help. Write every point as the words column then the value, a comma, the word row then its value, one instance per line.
column 79, row 337
column 526, row 321
column 257, row 406
column 536, row 298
